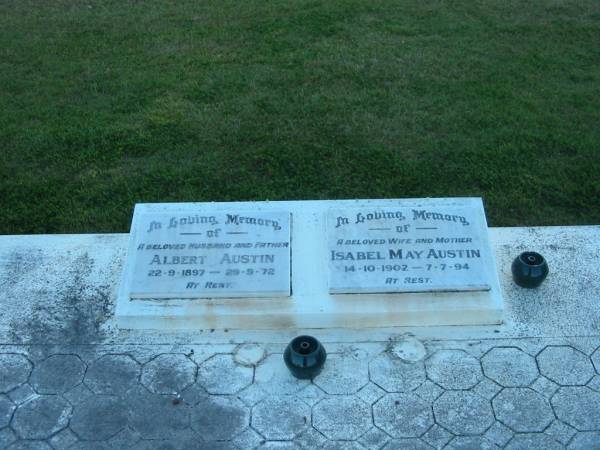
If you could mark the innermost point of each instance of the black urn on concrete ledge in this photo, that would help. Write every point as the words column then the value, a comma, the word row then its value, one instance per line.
column 529, row 269
column 305, row 356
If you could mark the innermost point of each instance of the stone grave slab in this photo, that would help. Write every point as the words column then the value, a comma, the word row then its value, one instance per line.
column 208, row 254
column 434, row 248
column 295, row 277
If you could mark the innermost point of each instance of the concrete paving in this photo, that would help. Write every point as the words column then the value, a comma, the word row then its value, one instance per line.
column 70, row 380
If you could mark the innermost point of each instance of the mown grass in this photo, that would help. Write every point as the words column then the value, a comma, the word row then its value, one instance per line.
column 107, row 103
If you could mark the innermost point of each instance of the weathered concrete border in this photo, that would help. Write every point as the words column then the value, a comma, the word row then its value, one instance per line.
column 64, row 287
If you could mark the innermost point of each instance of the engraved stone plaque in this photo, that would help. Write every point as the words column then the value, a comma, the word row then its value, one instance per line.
column 425, row 248
column 210, row 254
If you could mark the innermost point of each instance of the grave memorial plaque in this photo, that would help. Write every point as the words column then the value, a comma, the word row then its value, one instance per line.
column 357, row 264
column 428, row 248
column 209, row 254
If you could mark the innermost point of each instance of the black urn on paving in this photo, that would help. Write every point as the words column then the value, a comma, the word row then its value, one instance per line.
column 529, row 269
column 305, row 356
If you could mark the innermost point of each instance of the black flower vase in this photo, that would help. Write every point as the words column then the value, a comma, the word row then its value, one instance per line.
column 305, row 356
column 529, row 269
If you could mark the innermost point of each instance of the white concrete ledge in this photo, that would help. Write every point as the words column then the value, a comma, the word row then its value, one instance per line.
column 64, row 287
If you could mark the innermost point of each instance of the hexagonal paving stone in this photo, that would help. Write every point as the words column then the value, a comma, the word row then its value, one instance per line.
column 429, row 391
column 310, row 439
column 220, row 418
column 342, row 374
column 221, row 375
column 99, row 418
column 280, row 418
column 78, row 394
column 273, row 377
column 463, row 413
column 41, row 417
column 594, row 383
column 112, row 374
column 578, row 407
column 499, row 434
column 523, row 410
column 157, row 416
column 453, row 369
column 57, row 374
column 312, row 394
column 193, row 394
column 247, row 439
column 509, row 367
column 487, row 388
column 533, row 441
column 168, row 374
column 63, row 439
column 565, row 366
column 6, row 410
column 403, row 415
column 14, row 370
column 544, row 386
column 253, row 394
column 561, row 432
column 437, row 436
column 370, row 393
column 342, row 417
column 374, row 439
column 395, row 375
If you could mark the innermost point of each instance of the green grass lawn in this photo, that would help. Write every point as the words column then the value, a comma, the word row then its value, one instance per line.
column 107, row 103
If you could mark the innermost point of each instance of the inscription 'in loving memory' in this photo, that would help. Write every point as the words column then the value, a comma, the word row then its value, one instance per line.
column 422, row 215
column 236, row 219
